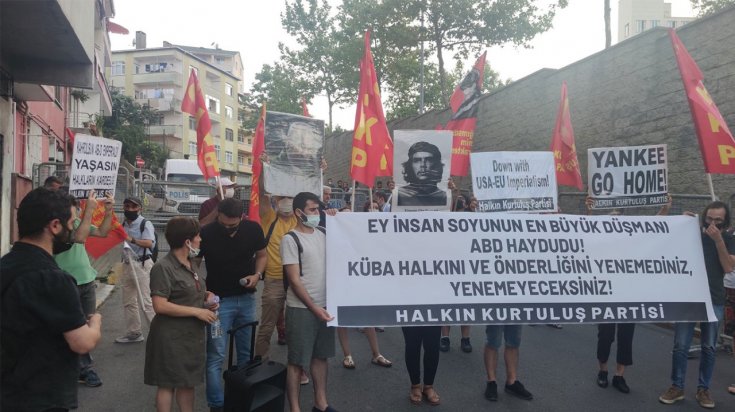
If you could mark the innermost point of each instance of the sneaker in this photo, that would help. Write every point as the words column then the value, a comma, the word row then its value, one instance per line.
column 517, row 389
column 672, row 395
column 130, row 338
column 444, row 344
column 90, row 378
column 491, row 391
column 619, row 384
column 602, row 379
column 466, row 345
column 704, row 399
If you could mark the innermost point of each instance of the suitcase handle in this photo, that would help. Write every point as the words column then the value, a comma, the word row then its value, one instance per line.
column 232, row 331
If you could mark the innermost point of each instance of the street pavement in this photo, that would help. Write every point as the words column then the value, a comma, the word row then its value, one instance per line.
column 557, row 366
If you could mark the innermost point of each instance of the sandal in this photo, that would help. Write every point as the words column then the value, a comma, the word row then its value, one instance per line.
column 431, row 396
column 415, row 395
column 380, row 360
column 348, row 363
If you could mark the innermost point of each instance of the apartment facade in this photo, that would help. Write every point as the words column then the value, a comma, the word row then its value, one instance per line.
column 158, row 77
column 51, row 51
column 637, row 16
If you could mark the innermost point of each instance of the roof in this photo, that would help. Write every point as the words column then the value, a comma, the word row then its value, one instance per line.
column 178, row 48
column 206, row 50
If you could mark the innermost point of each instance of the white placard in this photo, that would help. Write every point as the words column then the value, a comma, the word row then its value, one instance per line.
column 94, row 164
column 514, row 181
column 421, row 168
column 443, row 268
column 630, row 176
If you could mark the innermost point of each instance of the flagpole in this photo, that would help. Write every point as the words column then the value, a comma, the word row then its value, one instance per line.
column 352, row 198
column 370, row 190
column 711, row 187
column 219, row 185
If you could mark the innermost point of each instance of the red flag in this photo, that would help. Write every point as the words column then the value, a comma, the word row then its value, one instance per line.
column 303, row 107
column 98, row 246
column 372, row 146
column 715, row 139
column 464, row 102
column 258, row 146
column 195, row 105
column 563, row 147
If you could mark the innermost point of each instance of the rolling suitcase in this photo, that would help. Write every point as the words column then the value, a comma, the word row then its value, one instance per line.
column 259, row 386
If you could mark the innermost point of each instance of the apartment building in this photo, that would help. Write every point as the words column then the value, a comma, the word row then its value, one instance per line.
column 637, row 16
column 158, row 76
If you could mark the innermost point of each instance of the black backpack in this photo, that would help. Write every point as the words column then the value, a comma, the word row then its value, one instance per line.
column 301, row 250
column 154, row 251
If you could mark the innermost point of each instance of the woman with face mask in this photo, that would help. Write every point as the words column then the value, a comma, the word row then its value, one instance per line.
column 175, row 350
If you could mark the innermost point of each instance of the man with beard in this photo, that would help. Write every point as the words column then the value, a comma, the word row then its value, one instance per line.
column 422, row 171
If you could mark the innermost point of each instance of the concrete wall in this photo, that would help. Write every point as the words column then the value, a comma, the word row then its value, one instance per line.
column 630, row 94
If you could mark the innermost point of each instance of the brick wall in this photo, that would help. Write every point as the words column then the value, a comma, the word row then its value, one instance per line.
column 629, row 94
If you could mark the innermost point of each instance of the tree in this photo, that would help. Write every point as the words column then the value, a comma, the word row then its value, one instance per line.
column 128, row 124
column 707, row 7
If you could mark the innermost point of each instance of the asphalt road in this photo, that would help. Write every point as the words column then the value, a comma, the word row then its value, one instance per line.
column 557, row 366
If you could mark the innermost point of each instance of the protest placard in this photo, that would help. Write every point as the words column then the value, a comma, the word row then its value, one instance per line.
column 94, row 165
column 294, row 145
column 630, row 176
column 514, row 181
column 476, row 268
column 421, row 166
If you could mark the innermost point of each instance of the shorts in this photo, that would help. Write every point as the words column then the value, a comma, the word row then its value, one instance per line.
column 307, row 337
column 495, row 333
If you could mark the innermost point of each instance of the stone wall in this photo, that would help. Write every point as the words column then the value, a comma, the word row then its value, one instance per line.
column 629, row 94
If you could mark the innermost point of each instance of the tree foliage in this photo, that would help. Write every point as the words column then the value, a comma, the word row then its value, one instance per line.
column 707, row 7
column 129, row 124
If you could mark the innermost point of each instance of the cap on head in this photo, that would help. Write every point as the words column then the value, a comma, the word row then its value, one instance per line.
column 134, row 200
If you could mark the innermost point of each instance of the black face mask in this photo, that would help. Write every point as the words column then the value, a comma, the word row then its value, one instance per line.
column 62, row 241
column 131, row 214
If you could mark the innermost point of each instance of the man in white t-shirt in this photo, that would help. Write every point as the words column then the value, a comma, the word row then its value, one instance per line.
column 310, row 342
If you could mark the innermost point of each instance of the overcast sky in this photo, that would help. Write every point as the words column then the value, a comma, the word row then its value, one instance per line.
column 254, row 29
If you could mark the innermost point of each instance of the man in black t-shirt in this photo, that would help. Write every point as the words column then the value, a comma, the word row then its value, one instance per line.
column 235, row 256
column 42, row 326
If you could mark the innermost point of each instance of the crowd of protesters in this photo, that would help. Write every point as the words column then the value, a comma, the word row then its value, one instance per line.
column 48, row 302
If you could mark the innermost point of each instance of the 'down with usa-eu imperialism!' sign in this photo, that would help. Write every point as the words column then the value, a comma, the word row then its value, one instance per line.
column 442, row 268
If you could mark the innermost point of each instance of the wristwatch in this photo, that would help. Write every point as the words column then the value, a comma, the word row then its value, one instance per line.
column 261, row 275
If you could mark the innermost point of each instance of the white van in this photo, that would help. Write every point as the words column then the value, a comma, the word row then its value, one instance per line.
column 185, row 197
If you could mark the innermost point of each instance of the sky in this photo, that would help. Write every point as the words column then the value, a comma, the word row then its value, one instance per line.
column 254, row 29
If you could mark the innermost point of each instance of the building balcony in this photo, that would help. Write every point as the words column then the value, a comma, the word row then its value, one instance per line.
column 169, row 78
column 49, row 42
column 245, row 169
column 170, row 131
column 163, row 104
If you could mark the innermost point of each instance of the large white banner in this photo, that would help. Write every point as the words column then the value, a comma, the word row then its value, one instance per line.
column 94, row 165
column 514, row 181
column 294, row 145
column 421, row 167
column 442, row 268
column 627, row 176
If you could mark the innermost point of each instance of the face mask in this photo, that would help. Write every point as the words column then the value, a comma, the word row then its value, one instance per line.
column 131, row 214
column 193, row 252
column 62, row 241
column 310, row 220
column 285, row 206
column 229, row 193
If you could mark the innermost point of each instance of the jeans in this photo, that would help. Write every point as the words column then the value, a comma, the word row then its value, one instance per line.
column 682, row 341
column 233, row 311
column 88, row 298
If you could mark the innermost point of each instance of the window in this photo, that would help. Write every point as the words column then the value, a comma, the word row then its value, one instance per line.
column 250, row 140
column 250, row 160
column 654, row 23
column 118, row 68
column 640, row 26
column 228, row 89
column 193, row 148
column 157, row 120
column 192, row 123
column 229, row 135
column 240, row 159
column 228, row 157
column 212, row 104
column 216, row 151
column 672, row 24
column 627, row 30
column 240, row 137
column 228, row 112
column 155, row 67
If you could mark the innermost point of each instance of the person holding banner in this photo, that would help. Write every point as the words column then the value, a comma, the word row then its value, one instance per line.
column 208, row 210
column 75, row 261
column 137, row 264
column 719, row 258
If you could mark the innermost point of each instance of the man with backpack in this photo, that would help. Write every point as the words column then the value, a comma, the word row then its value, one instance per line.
column 138, row 257
column 310, row 341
